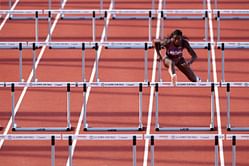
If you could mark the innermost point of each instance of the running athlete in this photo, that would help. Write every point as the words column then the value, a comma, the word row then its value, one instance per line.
column 174, row 45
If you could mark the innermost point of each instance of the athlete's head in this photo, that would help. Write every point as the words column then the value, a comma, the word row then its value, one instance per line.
column 176, row 37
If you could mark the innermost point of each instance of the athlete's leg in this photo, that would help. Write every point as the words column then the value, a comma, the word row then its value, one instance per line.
column 168, row 63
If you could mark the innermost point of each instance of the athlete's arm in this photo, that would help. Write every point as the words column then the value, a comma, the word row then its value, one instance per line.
column 190, row 51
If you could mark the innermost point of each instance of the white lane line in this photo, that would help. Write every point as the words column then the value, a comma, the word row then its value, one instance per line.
column 216, row 88
column 91, row 80
column 30, row 78
column 146, row 148
column 7, row 16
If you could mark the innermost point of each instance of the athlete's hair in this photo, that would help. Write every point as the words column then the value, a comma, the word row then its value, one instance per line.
column 178, row 32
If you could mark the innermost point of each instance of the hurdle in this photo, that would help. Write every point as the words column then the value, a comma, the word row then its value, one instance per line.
column 139, row 85
column 231, row 14
column 194, row 45
column 211, row 85
column 233, row 138
column 228, row 96
column 186, row 14
column 35, row 137
column 102, row 137
column 13, row 85
column 229, row 45
column 184, row 137
column 108, row 45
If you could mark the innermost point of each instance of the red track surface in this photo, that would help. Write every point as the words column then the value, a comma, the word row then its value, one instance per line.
column 118, row 107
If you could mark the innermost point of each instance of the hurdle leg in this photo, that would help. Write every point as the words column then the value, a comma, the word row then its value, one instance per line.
column 146, row 62
column 150, row 26
column 216, row 149
column 10, row 4
column 228, row 108
column 152, row 4
column 209, row 62
column 234, row 151
column 70, row 150
column 159, row 71
column 140, row 127
column 101, row 4
column 49, row 27
column 83, row 62
column 36, row 26
column 84, row 107
column 206, row 26
column 49, row 5
column 34, row 60
column 223, row 62
column 68, row 107
column 162, row 26
column 13, row 105
column 204, row 4
column 156, row 94
column 20, row 62
column 212, row 108
column 94, row 27
column 215, row 4
column 53, row 150
column 152, row 149
column 218, row 26
column 105, row 25
column 97, row 62
column 134, row 151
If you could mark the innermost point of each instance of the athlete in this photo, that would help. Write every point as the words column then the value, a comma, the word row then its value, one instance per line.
column 174, row 45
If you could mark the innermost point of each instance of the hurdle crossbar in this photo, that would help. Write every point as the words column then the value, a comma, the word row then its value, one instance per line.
column 228, row 86
column 229, row 45
column 38, row 85
column 231, row 14
column 35, row 137
column 184, row 137
column 186, row 85
column 102, row 137
column 194, row 45
column 139, row 85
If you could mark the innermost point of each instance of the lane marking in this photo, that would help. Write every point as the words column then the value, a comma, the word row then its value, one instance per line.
column 215, row 80
column 91, row 80
column 7, row 16
column 29, row 78
column 146, row 148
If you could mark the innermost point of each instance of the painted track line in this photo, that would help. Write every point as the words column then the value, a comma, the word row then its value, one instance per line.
column 146, row 148
column 30, row 78
column 7, row 16
column 91, row 80
column 215, row 80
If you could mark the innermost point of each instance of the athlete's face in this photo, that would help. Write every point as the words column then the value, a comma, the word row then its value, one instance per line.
column 177, row 40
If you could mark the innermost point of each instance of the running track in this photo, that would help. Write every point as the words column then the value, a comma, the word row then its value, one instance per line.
column 179, row 106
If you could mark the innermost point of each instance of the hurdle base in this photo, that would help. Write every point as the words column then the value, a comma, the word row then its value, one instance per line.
column 184, row 17
column 113, row 129
column 131, row 17
column 184, row 129
column 27, row 18
column 81, row 17
column 41, row 129
column 238, row 129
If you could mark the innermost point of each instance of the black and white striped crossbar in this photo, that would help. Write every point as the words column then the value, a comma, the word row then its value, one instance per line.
column 184, row 137
column 233, row 45
column 228, row 86
column 184, row 14
column 104, row 137
column 186, row 84
column 231, row 14
column 14, row 45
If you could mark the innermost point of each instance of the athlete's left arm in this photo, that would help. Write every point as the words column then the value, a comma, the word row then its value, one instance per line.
column 191, row 52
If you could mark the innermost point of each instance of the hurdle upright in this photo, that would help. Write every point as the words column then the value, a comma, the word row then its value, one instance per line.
column 228, row 86
column 186, row 85
column 139, row 85
column 229, row 45
column 13, row 85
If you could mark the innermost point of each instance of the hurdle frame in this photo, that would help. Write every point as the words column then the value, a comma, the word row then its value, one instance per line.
column 237, row 16
column 12, row 85
column 184, row 137
column 103, row 137
column 194, row 45
column 229, row 45
column 212, row 85
column 228, row 86
column 35, row 137
column 140, row 85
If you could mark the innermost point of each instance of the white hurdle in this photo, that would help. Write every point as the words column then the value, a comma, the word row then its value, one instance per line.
column 13, row 85
column 184, row 137
column 194, row 45
column 229, row 45
column 228, row 95
column 186, row 85
column 229, row 14
column 187, row 14
column 139, row 85
column 35, row 137
column 103, row 137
